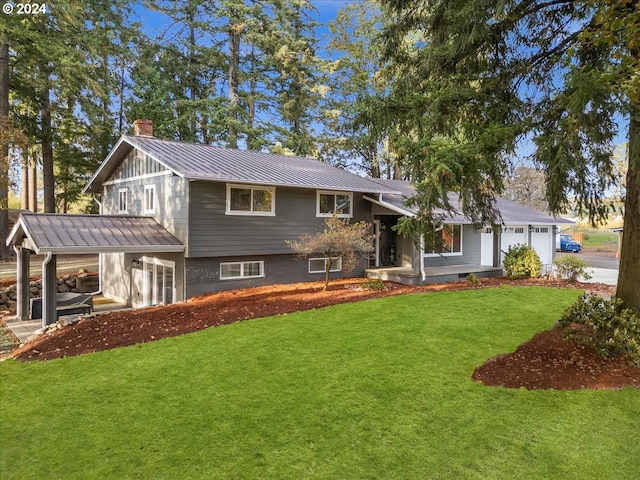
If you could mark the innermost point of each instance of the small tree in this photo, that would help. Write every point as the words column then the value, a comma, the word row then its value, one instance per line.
column 339, row 239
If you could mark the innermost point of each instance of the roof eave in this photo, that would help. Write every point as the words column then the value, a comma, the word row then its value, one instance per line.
column 277, row 184
column 119, row 249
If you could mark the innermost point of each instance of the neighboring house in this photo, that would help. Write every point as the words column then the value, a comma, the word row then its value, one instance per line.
column 180, row 219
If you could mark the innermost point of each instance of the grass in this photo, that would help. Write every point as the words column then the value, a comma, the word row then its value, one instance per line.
column 376, row 389
column 593, row 239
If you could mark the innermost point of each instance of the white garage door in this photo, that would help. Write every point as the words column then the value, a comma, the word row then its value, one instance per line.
column 541, row 242
column 511, row 236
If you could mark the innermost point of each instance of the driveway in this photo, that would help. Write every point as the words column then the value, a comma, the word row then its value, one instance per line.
column 66, row 264
column 603, row 266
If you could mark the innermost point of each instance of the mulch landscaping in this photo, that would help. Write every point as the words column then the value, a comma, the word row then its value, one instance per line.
column 546, row 361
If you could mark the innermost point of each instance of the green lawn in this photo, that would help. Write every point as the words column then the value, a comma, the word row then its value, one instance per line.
column 377, row 389
column 599, row 239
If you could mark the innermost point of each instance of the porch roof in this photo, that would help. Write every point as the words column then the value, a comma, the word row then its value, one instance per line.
column 512, row 213
column 67, row 233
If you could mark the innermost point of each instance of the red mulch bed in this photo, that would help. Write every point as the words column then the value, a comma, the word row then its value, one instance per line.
column 546, row 361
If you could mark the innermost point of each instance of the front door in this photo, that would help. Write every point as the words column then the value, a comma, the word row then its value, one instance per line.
column 486, row 247
column 159, row 281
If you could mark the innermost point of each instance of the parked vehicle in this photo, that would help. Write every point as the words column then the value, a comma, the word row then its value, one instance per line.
column 564, row 243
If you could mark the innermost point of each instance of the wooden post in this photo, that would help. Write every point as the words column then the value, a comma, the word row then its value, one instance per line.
column 23, row 259
column 49, row 290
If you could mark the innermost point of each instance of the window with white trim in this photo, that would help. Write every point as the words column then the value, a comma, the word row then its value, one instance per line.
column 319, row 265
column 250, row 200
column 241, row 270
column 149, row 199
column 448, row 241
column 340, row 203
column 123, row 195
column 541, row 230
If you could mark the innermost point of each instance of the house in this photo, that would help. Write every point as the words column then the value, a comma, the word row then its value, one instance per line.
column 180, row 219
column 465, row 247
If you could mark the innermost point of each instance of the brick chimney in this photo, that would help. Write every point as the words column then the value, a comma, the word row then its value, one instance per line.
column 143, row 128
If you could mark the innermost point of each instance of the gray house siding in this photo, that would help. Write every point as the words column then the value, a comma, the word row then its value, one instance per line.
column 214, row 234
column 203, row 274
column 171, row 201
column 125, row 284
column 470, row 251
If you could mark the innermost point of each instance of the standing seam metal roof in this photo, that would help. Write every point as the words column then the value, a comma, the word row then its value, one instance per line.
column 512, row 213
column 67, row 233
column 205, row 162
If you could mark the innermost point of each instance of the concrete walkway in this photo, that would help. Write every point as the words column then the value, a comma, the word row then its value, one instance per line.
column 608, row 276
column 25, row 329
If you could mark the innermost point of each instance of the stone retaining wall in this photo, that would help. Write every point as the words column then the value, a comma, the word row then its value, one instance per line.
column 81, row 282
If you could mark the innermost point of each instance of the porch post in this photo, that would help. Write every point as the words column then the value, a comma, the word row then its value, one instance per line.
column 496, row 248
column 49, row 290
column 23, row 258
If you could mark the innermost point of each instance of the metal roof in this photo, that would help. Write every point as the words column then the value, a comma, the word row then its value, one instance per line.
column 205, row 162
column 512, row 213
column 68, row 233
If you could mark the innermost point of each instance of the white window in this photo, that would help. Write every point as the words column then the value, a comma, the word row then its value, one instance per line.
column 238, row 270
column 250, row 200
column 319, row 265
column 122, row 200
column 159, row 281
column 448, row 241
column 541, row 230
column 340, row 203
column 149, row 199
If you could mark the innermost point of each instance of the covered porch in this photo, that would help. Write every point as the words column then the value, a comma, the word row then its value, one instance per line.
column 54, row 234
column 450, row 273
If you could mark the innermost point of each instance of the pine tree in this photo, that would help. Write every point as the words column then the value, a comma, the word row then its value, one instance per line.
column 62, row 72
column 474, row 78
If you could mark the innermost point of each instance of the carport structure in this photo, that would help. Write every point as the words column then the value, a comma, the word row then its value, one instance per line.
column 52, row 234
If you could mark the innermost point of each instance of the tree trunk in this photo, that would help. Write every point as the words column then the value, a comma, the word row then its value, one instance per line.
column 4, row 154
column 234, row 55
column 32, row 179
column 629, row 277
column 47, row 149
column 327, row 272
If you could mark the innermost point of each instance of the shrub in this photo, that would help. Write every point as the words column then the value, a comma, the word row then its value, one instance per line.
column 373, row 284
column 522, row 261
column 472, row 279
column 612, row 330
column 571, row 267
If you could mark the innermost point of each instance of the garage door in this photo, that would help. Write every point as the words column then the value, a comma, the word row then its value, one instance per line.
column 541, row 242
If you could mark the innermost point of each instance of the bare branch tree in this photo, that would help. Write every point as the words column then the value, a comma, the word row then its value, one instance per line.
column 339, row 239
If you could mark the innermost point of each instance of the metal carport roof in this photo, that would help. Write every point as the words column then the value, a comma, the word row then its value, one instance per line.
column 68, row 233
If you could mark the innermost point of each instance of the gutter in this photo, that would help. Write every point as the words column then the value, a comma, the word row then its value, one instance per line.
column 423, row 271
column 99, row 291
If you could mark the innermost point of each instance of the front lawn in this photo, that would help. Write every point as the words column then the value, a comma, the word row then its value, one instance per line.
column 374, row 389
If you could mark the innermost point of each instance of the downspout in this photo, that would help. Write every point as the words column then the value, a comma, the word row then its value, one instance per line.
column 423, row 271
column 45, row 263
column 99, row 291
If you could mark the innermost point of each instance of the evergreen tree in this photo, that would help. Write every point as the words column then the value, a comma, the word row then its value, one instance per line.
column 476, row 77
column 61, row 72
column 356, row 90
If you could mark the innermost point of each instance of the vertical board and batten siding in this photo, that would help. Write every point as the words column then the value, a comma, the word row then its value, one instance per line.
column 215, row 234
column 171, row 196
column 135, row 164
column 471, row 250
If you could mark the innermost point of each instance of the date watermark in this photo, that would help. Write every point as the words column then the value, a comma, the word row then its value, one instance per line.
column 24, row 8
